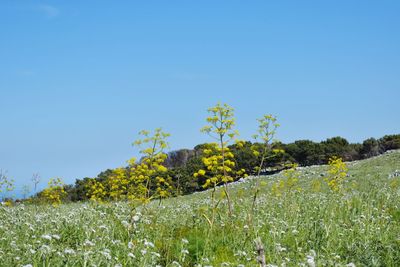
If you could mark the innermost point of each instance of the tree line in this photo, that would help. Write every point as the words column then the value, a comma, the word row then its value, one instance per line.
column 182, row 164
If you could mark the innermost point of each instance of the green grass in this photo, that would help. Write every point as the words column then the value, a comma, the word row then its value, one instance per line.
column 359, row 226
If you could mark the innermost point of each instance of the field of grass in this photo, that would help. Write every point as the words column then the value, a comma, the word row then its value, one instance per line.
column 315, row 227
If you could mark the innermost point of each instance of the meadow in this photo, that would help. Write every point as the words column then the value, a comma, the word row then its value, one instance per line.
column 312, row 227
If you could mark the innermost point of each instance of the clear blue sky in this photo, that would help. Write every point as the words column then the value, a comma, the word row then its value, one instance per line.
column 79, row 79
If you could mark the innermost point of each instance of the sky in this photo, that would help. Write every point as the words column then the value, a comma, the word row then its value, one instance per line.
column 80, row 79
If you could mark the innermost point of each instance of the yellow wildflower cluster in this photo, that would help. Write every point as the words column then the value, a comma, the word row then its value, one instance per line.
column 96, row 190
column 141, row 181
column 118, row 184
column 219, row 166
column 336, row 174
column 55, row 192
column 148, row 173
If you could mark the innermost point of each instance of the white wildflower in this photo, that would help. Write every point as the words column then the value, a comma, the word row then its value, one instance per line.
column 88, row 243
column 47, row 237
column 69, row 251
column 148, row 244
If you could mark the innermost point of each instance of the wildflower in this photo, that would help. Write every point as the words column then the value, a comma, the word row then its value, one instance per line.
column 279, row 248
column 185, row 241
column 57, row 237
column 136, row 218
column 311, row 259
column 47, row 237
column 106, row 254
column 130, row 254
column 148, row 244
column 88, row 243
column 155, row 254
column 69, row 251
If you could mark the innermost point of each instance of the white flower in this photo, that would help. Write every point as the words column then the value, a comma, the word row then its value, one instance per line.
column 155, row 254
column 310, row 261
column 28, row 265
column 131, row 255
column 47, row 237
column 88, row 243
column 185, row 251
column 185, row 241
column 106, row 254
column 56, row 237
column 148, row 244
column 69, row 251
column 350, row 265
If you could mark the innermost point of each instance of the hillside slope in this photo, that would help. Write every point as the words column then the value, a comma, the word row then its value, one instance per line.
column 313, row 227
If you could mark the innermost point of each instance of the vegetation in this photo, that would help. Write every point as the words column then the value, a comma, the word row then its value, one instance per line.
column 357, row 227
column 182, row 164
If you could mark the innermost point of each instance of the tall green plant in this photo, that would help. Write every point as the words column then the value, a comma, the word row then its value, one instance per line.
column 219, row 160
column 266, row 133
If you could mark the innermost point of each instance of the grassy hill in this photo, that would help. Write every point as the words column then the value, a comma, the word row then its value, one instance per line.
column 313, row 227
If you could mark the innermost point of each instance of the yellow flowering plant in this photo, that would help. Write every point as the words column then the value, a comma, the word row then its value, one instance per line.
column 55, row 192
column 96, row 191
column 337, row 173
column 117, row 184
column 150, row 171
column 218, row 159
